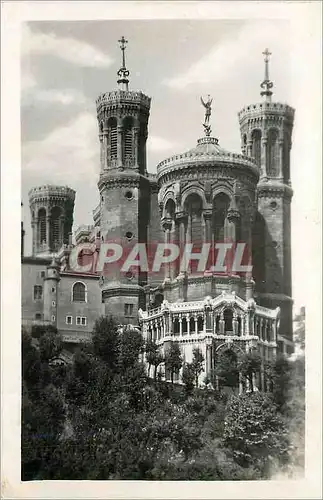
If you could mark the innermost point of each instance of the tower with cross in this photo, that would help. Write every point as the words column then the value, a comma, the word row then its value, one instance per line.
column 124, row 185
column 266, row 135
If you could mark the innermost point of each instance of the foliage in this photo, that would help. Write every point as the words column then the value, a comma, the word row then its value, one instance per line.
column 255, row 432
column 188, row 377
column 101, row 417
column 249, row 364
column 197, row 363
column 226, row 369
column 153, row 356
column 173, row 359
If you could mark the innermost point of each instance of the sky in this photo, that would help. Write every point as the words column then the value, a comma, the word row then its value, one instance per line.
column 65, row 65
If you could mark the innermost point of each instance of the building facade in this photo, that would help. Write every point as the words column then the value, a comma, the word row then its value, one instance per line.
column 197, row 199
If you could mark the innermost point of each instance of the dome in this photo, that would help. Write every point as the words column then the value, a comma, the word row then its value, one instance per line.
column 207, row 152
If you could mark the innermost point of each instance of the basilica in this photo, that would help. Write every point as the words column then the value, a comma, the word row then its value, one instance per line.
column 204, row 195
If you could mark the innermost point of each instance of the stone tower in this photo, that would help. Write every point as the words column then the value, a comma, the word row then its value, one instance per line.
column 51, row 281
column 266, row 135
column 51, row 217
column 124, row 189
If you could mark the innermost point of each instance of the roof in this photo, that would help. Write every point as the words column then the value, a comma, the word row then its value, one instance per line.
column 206, row 152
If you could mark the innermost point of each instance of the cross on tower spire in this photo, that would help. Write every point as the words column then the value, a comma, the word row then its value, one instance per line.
column 267, row 84
column 123, row 72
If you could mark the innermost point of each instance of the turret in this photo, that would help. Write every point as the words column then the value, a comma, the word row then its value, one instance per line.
column 51, row 281
column 124, row 187
column 51, row 217
column 266, row 132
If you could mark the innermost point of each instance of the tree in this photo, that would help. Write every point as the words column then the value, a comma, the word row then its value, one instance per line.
column 197, row 363
column 173, row 359
column 105, row 340
column 226, row 368
column 278, row 374
column 153, row 356
column 50, row 346
column 255, row 432
column 188, row 377
column 249, row 364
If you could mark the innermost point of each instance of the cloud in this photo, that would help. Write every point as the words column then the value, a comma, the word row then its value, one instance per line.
column 63, row 96
column 234, row 56
column 156, row 143
column 71, row 50
column 67, row 153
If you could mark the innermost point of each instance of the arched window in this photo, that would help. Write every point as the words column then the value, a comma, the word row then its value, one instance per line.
column 55, row 233
column 112, row 139
column 200, row 324
column 79, row 292
column 193, row 206
column 176, row 326
column 220, row 208
column 256, row 145
column 272, row 153
column 228, row 317
column 170, row 209
column 192, row 325
column 184, row 325
column 42, row 225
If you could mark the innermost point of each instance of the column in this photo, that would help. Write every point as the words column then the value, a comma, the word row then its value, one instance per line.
column 180, row 325
column 48, row 242
column 249, row 147
column 196, row 325
column 182, row 219
column 167, row 225
column 263, row 170
column 242, row 325
column 235, row 325
column 221, row 324
column 281, row 158
column 208, row 237
column 188, row 324
column 188, row 239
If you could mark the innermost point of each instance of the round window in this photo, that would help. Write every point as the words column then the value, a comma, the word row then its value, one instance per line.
column 129, row 235
column 129, row 195
column 275, row 244
column 273, row 205
column 129, row 275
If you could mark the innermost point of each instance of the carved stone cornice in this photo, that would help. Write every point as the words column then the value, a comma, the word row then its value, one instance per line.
column 272, row 190
column 205, row 173
column 122, row 179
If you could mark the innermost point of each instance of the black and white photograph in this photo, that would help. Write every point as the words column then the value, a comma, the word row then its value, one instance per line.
column 168, row 203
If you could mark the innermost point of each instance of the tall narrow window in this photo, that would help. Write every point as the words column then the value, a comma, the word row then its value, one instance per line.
column 220, row 208
column 112, row 139
column 79, row 292
column 127, row 139
column 38, row 292
column 128, row 309
column 42, row 225
column 228, row 317
column 272, row 153
column 193, row 206
column 55, row 236
column 256, row 146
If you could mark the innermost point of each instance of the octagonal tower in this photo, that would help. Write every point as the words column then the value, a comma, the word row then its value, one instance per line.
column 51, row 210
column 266, row 135
column 124, row 188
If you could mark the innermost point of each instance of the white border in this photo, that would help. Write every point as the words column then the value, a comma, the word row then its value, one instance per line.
column 13, row 13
